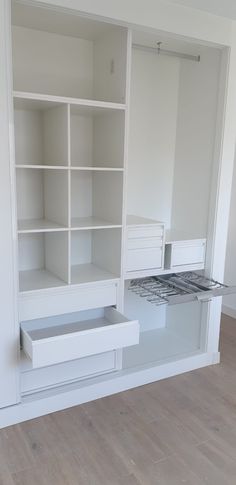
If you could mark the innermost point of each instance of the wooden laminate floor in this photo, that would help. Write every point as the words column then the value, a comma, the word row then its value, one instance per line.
column 178, row 431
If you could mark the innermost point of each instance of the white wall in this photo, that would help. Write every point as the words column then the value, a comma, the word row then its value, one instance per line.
column 229, row 305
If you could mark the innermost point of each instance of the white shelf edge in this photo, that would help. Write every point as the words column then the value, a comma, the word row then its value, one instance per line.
column 35, row 231
column 159, row 272
column 42, row 167
column 98, row 169
column 94, row 227
column 67, row 287
column 67, row 100
column 67, row 167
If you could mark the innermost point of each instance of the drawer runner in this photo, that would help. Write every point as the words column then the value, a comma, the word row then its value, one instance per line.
column 179, row 288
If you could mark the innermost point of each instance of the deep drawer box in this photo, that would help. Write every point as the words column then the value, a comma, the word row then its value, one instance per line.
column 185, row 253
column 140, row 259
column 35, row 380
column 51, row 341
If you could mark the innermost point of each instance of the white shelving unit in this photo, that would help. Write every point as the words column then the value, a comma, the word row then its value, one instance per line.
column 113, row 145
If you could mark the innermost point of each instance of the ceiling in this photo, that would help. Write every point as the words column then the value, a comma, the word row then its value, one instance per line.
column 223, row 8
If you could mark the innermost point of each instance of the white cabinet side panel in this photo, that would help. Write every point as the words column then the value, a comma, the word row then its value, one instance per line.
column 9, row 335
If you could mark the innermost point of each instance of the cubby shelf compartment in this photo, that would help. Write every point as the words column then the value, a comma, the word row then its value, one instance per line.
column 41, row 133
column 96, row 199
column 97, row 138
column 95, row 255
column 43, row 260
column 42, row 199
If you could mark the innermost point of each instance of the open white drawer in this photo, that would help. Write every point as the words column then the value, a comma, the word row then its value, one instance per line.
column 49, row 341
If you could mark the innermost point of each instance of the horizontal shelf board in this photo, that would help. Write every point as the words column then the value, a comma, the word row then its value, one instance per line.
column 157, row 345
column 38, row 279
column 98, row 169
column 39, row 225
column 173, row 236
column 86, row 273
column 132, row 220
column 129, row 275
column 85, row 223
column 42, row 167
column 66, row 167
column 30, row 100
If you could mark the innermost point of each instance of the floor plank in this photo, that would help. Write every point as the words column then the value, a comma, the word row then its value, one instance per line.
column 176, row 431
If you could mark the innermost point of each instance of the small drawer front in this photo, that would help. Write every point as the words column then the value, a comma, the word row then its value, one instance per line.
column 48, row 303
column 145, row 231
column 146, row 242
column 140, row 259
column 187, row 254
column 64, row 342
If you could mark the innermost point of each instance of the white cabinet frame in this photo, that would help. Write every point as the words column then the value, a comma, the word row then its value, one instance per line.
column 210, row 30
column 9, row 368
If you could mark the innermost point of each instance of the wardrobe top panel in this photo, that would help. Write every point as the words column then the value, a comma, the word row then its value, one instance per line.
column 56, row 21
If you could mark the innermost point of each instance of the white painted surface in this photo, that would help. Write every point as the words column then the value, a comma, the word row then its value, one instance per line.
column 229, row 302
column 9, row 342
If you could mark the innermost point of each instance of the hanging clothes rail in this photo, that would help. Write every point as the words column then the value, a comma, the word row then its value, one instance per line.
column 165, row 52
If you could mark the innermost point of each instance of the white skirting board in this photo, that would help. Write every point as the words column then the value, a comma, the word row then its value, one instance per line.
column 228, row 310
column 48, row 401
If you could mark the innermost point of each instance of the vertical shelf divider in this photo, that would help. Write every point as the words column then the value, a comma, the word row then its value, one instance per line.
column 69, row 190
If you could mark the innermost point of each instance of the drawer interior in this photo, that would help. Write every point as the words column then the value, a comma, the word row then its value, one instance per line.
column 52, row 340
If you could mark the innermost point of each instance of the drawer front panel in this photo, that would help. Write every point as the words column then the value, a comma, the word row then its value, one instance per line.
column 145, row 231
column 140, row 259
column 46, row 304
column 51, row 345
column 146, row 242
column 187, row 254
column 34, row 380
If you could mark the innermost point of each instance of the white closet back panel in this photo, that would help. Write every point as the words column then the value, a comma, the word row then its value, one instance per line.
column 49, row 63
column 153, row 116
column 197, row 111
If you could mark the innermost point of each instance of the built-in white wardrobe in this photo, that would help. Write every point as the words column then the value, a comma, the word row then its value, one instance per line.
column 115, row 169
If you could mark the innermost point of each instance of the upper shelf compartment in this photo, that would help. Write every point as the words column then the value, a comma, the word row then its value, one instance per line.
column 63, row 54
